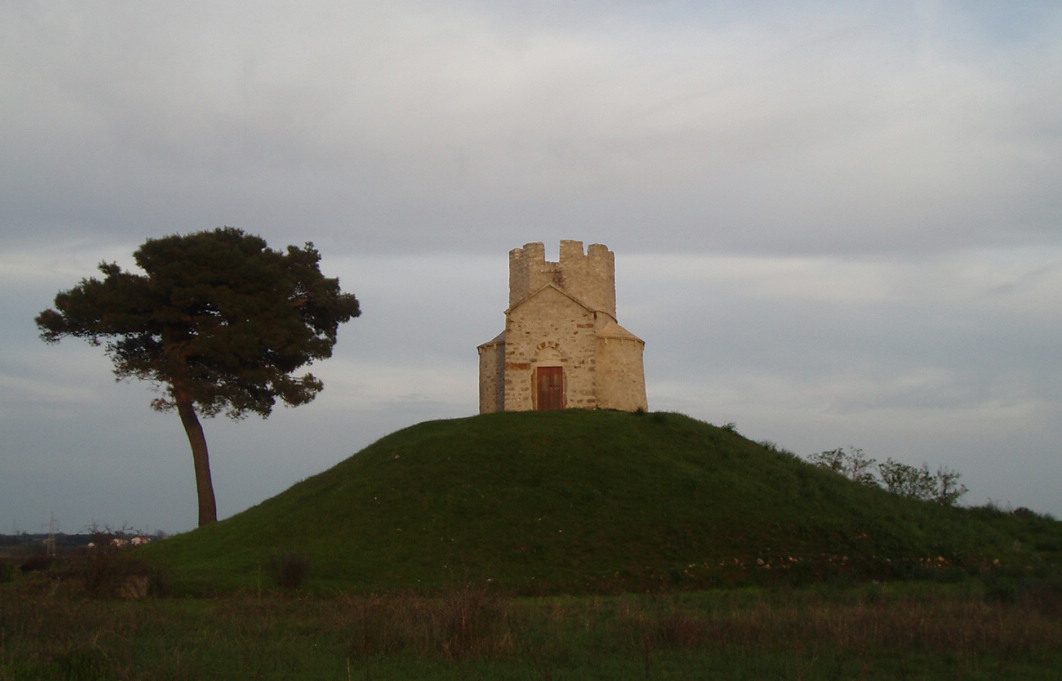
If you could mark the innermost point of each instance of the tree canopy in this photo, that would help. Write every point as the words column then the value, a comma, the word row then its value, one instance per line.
column 218, row 322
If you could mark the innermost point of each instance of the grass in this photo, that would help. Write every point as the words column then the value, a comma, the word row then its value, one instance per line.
column 919, row 631
column 587, row 501
column 562, row 545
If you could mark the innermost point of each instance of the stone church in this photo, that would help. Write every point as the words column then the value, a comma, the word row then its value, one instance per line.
column 562, row 347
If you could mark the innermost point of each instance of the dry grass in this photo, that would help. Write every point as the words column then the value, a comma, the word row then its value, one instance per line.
column 469, row 632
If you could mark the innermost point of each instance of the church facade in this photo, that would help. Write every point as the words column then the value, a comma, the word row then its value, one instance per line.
column 562, row 347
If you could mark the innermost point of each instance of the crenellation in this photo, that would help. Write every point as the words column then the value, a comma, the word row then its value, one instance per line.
column 570, row 251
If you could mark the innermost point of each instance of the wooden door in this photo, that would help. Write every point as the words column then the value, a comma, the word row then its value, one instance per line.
column 550, row 388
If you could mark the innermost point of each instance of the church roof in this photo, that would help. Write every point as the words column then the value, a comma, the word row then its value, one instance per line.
column 556, row 288
column 613, row 330
column 497, row 340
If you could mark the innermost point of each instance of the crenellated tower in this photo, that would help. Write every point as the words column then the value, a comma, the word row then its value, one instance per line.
column 590, row 278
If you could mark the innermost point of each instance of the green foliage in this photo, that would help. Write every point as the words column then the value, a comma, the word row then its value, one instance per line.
column 584, row 501
column 852, row 464
column 942, row 487
column 216, row 314
column 918, row 483
column 899, row 478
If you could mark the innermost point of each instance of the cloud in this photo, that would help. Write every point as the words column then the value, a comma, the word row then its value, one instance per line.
column 833, row 224
column 819, row 131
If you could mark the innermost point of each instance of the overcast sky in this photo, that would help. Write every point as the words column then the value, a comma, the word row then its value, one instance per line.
column 834, row 223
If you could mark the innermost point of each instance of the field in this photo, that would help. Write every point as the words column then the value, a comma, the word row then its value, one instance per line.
column 995, row 630
column 550, row 546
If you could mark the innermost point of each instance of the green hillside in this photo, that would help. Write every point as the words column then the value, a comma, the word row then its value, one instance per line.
column 587, row 500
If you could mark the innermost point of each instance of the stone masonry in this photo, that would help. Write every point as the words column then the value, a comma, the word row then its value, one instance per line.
column 562, row 347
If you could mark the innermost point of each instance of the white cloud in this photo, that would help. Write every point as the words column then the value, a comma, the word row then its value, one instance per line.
column 833, row 224
column 817, row 132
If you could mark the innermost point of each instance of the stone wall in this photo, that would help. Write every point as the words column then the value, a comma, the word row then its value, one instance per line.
column 620, row 374
column 492, row 375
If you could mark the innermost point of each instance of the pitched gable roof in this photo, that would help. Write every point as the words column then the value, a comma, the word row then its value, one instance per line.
column 497, row 340
column 613, row 330
column 556, row 288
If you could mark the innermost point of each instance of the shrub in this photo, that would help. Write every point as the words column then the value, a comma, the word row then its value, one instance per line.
column 942, row 487
column 918, row 483
column 106, row 572
column 852, row 464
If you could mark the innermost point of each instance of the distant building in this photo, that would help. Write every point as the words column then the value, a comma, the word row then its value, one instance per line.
column 562, row 347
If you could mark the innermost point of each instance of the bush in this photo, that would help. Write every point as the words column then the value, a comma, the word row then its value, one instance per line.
column 918, row 483
column 107, row 572
column 852, row 464
column 942, row 487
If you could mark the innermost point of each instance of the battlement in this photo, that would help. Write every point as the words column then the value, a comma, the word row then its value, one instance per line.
column 589, row 277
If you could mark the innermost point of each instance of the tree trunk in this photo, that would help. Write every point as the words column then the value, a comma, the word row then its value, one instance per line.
column 208, row 510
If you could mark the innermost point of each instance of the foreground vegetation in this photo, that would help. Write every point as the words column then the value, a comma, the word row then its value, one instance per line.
column 563, row 545
column 1003, row 628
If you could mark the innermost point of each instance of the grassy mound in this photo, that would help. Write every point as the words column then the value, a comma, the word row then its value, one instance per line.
column 581, row 501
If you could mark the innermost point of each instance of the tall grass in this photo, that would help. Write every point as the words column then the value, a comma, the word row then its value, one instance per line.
column 870, row 632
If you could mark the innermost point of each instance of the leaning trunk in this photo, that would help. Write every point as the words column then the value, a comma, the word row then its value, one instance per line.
column 208, row 510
